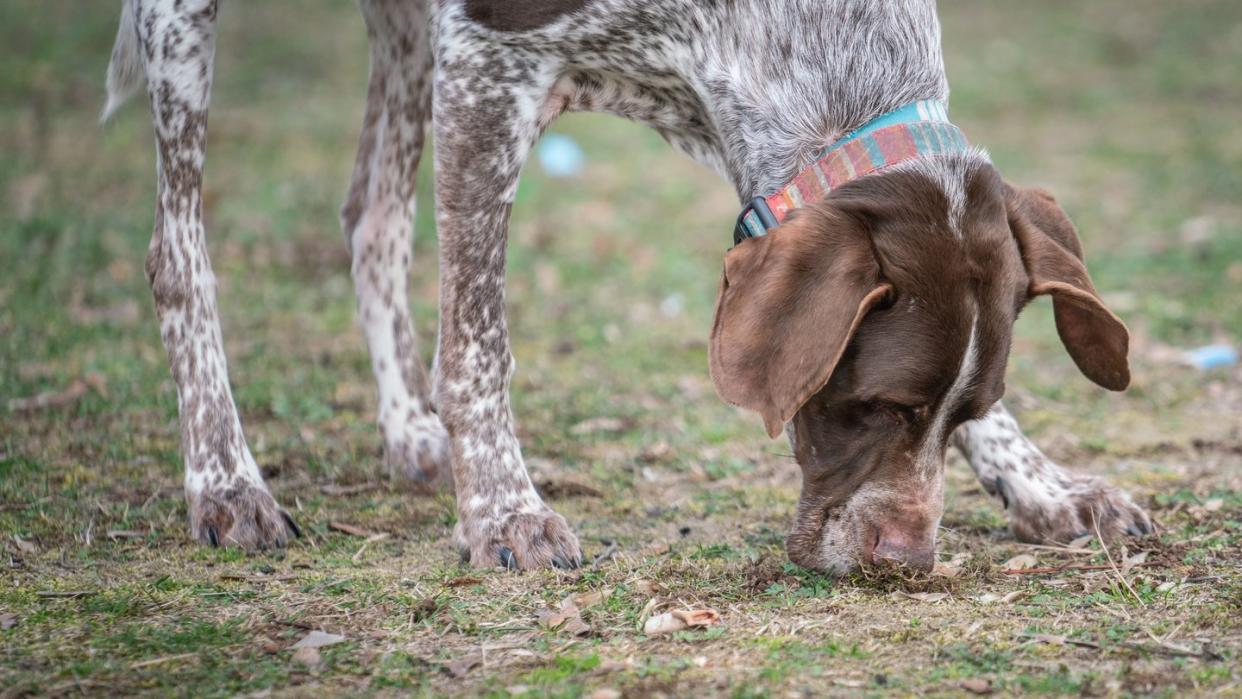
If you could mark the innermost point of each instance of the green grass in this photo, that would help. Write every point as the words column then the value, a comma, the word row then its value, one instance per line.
column 1126, row 110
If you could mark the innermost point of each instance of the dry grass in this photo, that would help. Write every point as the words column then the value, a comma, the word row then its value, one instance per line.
column 1126, row 110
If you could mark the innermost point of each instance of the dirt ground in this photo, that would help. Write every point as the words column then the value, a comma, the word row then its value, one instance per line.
column 1126, row 110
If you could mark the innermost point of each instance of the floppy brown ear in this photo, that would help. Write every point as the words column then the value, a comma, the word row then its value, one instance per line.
column 789, row 303
column 1095, row 338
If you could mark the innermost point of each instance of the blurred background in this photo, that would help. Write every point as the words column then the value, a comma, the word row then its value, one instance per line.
column 1127, row 110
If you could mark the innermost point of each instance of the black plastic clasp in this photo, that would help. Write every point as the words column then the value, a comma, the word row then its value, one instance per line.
column 760, row 206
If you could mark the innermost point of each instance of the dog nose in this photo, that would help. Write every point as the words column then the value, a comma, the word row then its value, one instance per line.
column 899, row 546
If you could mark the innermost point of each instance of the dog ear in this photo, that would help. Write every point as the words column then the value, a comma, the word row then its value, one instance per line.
column 789, row 302
column 1095, row 338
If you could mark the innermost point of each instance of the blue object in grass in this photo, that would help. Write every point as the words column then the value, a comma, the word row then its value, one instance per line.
column 1212, row 357
column 560, row 155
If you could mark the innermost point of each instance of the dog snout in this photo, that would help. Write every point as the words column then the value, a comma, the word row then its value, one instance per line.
column 898, row 544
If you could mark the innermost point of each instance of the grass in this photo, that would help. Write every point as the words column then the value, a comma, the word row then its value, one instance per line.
column 1126, row 110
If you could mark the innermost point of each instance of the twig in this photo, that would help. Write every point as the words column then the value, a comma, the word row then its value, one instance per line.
column 157, row 661
column 607, row 554
column 64, row 594
column 1059, row 640
column 1058, row 549
column 370, row 540
column 350, row 529
column 150, row 498
column 1073, row 566
column 335, row 489
column 1172, row 650
column 1095, row 522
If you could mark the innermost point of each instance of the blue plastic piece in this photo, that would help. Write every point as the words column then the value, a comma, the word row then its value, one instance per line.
column 1212, row 357
column 560, row 155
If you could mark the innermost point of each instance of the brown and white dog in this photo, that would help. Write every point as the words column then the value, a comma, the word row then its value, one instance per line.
column 873, row 326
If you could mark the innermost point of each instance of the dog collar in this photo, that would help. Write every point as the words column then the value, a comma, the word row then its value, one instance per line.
column 915, row 130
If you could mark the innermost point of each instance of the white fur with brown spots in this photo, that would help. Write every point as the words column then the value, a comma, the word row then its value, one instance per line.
column 754, row 90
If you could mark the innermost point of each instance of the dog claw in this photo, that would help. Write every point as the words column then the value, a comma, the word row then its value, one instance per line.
column 291, row 524
column 507, row 560
column 559, row 561
column 212, row 538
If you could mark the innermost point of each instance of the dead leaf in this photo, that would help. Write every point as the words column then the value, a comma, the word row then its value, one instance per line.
column 1213, row 504
column 663, row 623
column 308, row 656
column 698, row 617
column 319, row 639
column 125, row 534
column 952, row 567
column 8, row 621
column 646, row 587
column 583, row 600
column 1021, row 561
column 1131, row 561
column 930, row 597
column 605, row 693
column 1007, row 598
column 567, row 619
column 350, row 529
column 977, row 685
column 1169, row 586
column 1081, row 541
column 680, row 619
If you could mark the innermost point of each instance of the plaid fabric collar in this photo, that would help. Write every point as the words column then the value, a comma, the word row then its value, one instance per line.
column 915, row 130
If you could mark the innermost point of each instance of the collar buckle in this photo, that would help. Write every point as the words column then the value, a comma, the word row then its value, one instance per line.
column 755, row 220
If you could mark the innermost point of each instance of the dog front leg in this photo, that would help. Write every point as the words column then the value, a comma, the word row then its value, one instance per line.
column 485, row 124
column 1046, row 503
column 229, row 502
column 377, row 219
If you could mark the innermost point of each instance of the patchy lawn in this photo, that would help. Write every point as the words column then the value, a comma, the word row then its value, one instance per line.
column 1127, row 110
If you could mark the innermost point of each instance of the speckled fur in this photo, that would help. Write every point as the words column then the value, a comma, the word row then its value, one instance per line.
column 753, row 90
column 1045, row 502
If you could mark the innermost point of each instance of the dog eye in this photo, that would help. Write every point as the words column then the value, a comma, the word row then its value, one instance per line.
column 905, row 414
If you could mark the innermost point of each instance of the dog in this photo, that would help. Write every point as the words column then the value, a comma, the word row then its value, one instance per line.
column 865, row 310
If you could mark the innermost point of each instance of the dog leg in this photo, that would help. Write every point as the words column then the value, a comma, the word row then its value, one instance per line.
column 1046, row 503
column 484, row 129
column 377, row 219
column 229, row 502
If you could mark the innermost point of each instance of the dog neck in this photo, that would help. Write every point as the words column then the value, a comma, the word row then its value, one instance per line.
column 777, row 103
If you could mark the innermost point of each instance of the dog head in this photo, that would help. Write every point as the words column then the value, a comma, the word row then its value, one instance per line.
column 871, row 324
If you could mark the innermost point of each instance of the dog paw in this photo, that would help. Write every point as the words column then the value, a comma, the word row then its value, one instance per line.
column 420, row 455
column 243, row 516
column 519, row 541
column 1077, row 507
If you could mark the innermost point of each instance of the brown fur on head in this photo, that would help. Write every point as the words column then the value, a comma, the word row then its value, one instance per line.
column 871, row 324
